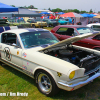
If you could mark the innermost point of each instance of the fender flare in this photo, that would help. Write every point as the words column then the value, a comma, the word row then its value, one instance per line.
column 45, row 69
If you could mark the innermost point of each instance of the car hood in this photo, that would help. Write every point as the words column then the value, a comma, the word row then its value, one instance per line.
column 40, row 22
column 69, row 41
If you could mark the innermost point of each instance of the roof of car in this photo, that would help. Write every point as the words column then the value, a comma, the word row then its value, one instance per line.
column 18, row 31
column 89, row 25
column 72, row 26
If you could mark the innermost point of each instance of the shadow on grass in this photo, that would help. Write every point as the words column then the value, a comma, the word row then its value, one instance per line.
column 88, row 92
column 20, row 74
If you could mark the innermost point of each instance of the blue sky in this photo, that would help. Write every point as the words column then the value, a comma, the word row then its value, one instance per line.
column 53, row 4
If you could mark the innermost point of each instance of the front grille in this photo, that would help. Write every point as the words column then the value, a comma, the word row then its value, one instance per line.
column 90, row 64
column 93, row 73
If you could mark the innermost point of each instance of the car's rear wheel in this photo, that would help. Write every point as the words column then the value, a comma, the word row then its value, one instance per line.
column 33, row 26
column 46, row 83
column 48, row 25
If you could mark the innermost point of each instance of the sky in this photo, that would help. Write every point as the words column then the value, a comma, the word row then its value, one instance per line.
column 53, row 4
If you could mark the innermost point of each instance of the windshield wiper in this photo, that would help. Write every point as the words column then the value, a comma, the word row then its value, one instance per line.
column 33, row 45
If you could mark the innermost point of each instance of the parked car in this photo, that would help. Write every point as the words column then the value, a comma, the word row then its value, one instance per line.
column 4, row 22
column 67, row 31
column 38, row 53
column 62, row 21
column 51, row 22
column 94, row 26
column 69, row 20
column 36, row 22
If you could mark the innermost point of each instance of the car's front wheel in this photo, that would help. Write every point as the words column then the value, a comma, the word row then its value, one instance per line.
column 46, row 83
column 33, row 26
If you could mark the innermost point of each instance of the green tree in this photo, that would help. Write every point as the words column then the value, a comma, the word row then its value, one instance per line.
column 13, row 5
column 90, row 11
column 76, row 11
column 71, row 10
column 83, row 12
column 49, row 9
column 56, row 10
column 31, row 7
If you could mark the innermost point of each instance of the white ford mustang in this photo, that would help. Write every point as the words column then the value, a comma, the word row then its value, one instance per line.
column 54, row 65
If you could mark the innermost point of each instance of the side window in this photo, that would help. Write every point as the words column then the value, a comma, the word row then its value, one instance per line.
column 70, row 31
column 75, row 33
column 9, row 38
column 94, row 26
column 62, row 31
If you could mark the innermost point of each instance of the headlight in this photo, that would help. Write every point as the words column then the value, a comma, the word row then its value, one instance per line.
column 72, row 74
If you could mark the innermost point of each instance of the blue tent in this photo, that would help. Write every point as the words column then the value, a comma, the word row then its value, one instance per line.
column 92, row 15
column 86, row 15
column 7, row 8
column 44, row 13
column 60, row 13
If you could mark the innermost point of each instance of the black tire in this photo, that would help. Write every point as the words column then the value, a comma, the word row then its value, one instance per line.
column 47, row 25
column 50, row 25
column 1, row 63
column 46, row 83
column 33, row 26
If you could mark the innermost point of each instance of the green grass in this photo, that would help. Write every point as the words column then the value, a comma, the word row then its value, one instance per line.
column 48, row 28
column 14, row 81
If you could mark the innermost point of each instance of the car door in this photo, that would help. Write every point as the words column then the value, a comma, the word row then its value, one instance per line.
column 64, row 33
column 11, row 50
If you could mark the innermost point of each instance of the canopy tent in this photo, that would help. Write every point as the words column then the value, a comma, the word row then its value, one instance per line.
column 7, row 8
column 71, row 14
column 98, row 16
column 24, row 11
column 92, row 15
column 88, row 15
column 44, row 13
column 60, row 13
column 21, row 13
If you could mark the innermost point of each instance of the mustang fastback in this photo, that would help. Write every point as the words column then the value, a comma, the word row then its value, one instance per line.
column 54, row 65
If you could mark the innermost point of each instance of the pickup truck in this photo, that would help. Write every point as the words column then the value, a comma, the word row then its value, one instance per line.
column 36, row 22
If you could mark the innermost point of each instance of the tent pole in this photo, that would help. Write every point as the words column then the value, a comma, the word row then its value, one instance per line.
column 18, row 17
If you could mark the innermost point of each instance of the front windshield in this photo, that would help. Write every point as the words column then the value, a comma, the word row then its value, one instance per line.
column 84, row 30
column 32, row 39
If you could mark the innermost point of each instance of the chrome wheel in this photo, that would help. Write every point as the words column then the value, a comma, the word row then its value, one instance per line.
column 44, row 83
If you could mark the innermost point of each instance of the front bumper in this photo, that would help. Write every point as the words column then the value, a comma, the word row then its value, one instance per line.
column 79, row 84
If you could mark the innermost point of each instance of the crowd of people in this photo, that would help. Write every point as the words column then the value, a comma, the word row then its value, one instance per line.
column 50, row 16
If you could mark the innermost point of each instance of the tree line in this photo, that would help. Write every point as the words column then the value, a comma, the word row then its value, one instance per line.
column 58, row 9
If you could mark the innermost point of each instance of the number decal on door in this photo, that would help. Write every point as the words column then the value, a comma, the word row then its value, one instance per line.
column 7, row 53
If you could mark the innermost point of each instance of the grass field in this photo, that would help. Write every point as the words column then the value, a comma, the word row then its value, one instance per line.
column 13, row 81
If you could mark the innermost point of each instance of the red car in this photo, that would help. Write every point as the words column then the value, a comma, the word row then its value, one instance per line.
column 67, row 31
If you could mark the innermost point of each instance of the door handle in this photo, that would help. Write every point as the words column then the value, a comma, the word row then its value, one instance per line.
column 59, row 36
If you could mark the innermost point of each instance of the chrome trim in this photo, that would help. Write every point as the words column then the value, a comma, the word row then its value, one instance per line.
column 93, row 70
column 80, row 83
